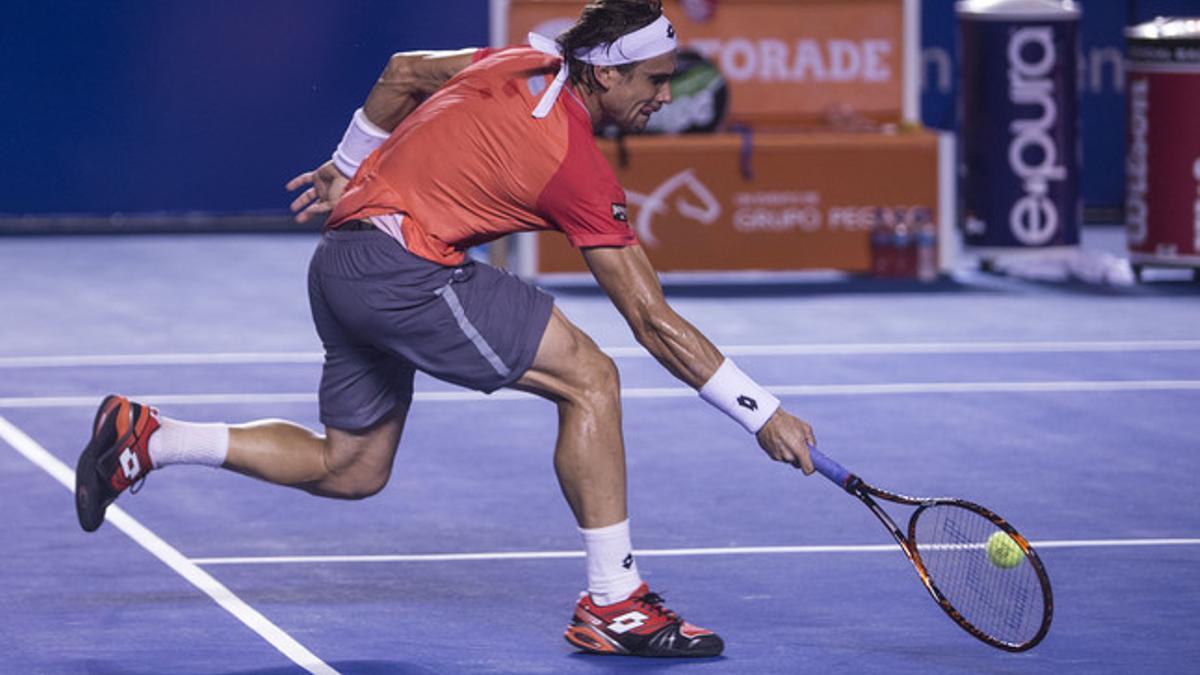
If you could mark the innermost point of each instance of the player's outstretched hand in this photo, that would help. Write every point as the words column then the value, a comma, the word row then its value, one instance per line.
column 786, row 438
column 324, row 189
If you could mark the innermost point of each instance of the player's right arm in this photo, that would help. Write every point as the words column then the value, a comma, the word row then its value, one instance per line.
column 407, row 80
column 628, row 279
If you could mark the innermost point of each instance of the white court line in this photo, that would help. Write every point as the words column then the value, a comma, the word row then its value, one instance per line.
column 234, row 358
column 171, row 557
column 182, row 359
column 897, row 388
column 649, row 553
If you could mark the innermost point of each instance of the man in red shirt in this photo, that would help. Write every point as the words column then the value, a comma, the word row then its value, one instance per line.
column 503, row 143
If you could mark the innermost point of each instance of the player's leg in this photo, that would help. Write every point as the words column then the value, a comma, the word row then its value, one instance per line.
column 589, row 456
column 618, row 614
column 339, row 464
column 486, row 329
column 130, row 439
column 364, row 398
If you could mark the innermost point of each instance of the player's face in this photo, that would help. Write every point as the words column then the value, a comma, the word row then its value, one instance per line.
column 641, row 92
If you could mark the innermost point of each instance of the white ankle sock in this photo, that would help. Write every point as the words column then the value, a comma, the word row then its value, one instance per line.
column 611, row 570
column 187, row 443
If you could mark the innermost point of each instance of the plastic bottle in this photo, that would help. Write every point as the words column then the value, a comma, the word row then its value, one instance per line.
column 882, row 246
column 905, row 266
column 927, row 270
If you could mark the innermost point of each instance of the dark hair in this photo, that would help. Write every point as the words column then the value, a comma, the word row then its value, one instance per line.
column 602, row 22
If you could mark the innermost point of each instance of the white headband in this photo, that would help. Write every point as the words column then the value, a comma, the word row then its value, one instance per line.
column 652, row 40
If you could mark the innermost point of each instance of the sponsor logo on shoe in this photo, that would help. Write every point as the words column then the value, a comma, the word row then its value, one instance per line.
column 130, row 465
column 627, row 622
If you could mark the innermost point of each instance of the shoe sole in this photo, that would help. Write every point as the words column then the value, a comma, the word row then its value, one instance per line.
column 90, row 506
column 592, row 641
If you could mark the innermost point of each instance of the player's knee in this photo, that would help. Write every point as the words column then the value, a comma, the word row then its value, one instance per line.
column 354, row 485
column 366, row 486
column 350, row 473
column 601, row 383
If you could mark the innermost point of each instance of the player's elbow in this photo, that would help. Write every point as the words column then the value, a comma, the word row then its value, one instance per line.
column 400, row 71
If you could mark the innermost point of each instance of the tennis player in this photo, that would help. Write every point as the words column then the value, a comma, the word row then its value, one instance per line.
column 451, row 150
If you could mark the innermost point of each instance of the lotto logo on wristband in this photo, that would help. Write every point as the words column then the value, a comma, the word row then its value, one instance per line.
column 727, row 390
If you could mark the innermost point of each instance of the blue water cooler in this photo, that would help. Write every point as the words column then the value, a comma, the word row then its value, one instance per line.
column 1018, row 114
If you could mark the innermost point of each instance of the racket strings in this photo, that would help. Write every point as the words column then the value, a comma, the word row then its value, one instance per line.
column 1004, row 602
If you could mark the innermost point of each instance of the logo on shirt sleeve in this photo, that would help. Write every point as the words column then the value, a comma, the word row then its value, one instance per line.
column 619, row 212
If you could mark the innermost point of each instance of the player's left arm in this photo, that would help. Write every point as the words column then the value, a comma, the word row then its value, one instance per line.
column 407, row 80
column 627, row 277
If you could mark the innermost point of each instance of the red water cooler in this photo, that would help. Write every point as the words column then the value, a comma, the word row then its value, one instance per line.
column 1162, row 193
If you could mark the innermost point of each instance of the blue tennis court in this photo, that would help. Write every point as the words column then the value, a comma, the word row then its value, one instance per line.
column 1071, row 410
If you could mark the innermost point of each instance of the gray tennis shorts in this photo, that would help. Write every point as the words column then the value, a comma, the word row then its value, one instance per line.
column 383, row 313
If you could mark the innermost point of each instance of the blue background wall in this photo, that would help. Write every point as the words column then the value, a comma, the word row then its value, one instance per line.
column 176, row 105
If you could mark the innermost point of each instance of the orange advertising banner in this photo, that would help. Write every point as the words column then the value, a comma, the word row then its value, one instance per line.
column 787, row 62
column 795, row 202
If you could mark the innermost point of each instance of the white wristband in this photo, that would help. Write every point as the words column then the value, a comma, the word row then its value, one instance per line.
column 733, row 392
column 361, row 139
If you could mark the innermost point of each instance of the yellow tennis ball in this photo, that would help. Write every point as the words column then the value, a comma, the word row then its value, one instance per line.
column 1003, row 551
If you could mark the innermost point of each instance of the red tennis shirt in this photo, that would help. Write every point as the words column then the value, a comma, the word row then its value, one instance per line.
column 472, row 164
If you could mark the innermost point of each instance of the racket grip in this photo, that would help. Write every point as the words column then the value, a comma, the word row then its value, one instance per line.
column 829, row 468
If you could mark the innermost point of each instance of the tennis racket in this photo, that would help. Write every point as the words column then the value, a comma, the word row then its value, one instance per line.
column 1007, row 606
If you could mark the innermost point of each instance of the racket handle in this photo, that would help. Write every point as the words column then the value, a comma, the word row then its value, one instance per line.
column 829, row 468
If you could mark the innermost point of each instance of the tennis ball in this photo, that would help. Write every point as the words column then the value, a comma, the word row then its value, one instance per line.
column 1003, row 551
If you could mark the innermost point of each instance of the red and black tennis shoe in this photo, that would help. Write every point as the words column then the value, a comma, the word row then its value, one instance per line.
column 117, row 457
column 638, row 626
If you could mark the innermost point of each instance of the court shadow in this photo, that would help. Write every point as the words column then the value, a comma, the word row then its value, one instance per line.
column 608, row 664
column 354, row 667
column 377, row 667
column 940, row 659
column 380, row 667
